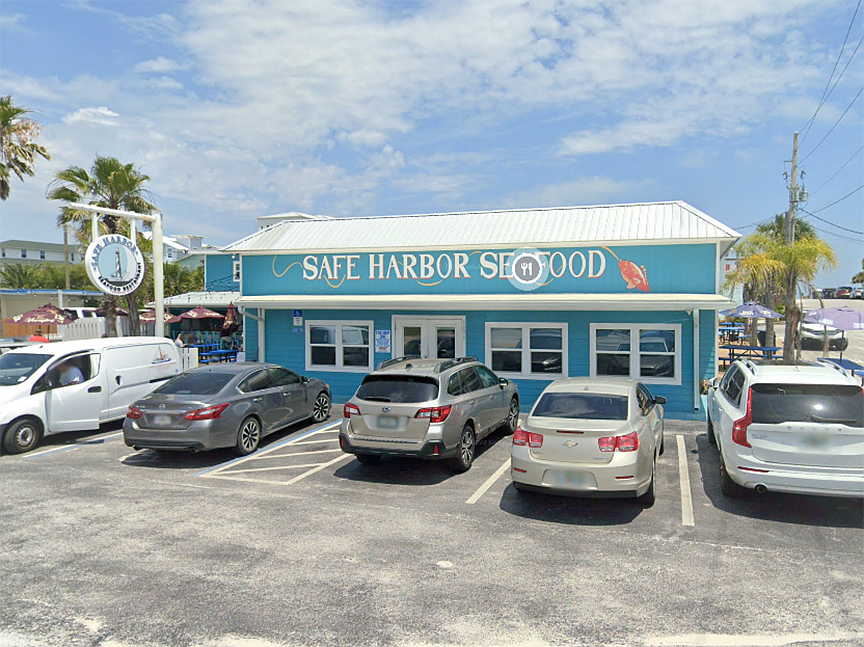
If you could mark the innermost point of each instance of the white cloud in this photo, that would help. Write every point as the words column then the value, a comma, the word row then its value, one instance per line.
column 159, row 65
column 586, row 190
column 100, row 116
column 14, row 21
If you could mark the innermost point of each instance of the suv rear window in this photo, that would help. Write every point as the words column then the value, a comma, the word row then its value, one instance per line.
column 820, row 403
column 398, row 388
column 195, row 384
column 585, row 406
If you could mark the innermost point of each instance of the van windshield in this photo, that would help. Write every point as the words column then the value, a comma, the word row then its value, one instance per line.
column 584, row 406
column 398, row 388
column 195, row 384
column 17, row 367
column 821, row 403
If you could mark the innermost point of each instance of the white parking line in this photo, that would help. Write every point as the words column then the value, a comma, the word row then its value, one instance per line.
column 213, row 471
column 72, row 446
column 684, row 479
column 317, row 451
column 489, row 482
column 319, row 468
column 271, row 469
column 316, row 442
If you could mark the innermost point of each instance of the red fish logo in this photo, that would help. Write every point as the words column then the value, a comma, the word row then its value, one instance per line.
column 634, row 275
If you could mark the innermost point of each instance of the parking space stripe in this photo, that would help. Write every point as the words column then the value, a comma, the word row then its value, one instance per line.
column 65, row 448
column 317, row 442
column 271, row 469
column 300, row 477
column 489, row 482
column 684, row 479
column 218, row 468
column 316, row 451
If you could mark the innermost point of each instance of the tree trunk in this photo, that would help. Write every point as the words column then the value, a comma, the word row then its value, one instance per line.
column 770, row 302
column 134, row 321
column 110, row 304
column 792, row 317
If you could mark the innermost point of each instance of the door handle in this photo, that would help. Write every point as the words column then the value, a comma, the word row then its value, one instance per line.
column 118, row 379
column 256, row 399
column 94, row 389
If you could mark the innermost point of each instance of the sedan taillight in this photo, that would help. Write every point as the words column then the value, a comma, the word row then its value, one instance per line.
column 626, row 443
column 522, row 438
column 207, row 413
column 134, row 413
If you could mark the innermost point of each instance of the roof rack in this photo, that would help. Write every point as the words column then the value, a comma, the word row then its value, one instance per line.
column 836, row 367
column 396, row 360
column 450, row 363
column 749, row 364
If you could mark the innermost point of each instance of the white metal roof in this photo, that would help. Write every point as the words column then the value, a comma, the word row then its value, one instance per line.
column 208, row 299
column 656, row 221
column 520, row 301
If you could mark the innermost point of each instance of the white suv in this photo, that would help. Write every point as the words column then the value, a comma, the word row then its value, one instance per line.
column 788, row 428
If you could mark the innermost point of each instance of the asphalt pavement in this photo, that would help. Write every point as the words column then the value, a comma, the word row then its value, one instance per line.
column 300, row 545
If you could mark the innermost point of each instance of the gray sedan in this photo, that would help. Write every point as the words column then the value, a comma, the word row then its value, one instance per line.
column 225, row 405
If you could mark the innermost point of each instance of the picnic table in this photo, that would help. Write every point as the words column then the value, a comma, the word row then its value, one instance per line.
column 730, row 332
column 203, row 348
column 213, row 356
column 854, row 367
column 737, row 351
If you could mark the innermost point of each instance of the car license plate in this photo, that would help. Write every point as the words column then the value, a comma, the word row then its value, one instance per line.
column 388, row 422
column 816, row 442
column 571, row 479
column 161, row 420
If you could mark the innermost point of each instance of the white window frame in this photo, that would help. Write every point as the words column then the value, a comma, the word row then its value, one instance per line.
column 526, row 373
column 236, row 271
column 634, row 350
column 339, row 367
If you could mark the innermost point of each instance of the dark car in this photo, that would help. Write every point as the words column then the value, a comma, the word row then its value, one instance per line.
column 226, row 405
column 829, row 293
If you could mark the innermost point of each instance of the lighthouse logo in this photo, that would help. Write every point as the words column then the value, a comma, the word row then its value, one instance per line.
column 115, row 265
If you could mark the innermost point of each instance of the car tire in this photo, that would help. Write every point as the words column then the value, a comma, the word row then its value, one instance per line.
column 650, row 496
column 662, row 440
column 248, row 436
column 321, row 407
column 728, row 487
column 709, row 431
column 22, row 435
column 843, row 344
column 368, row 459
column 464, row 457
column 512, row 421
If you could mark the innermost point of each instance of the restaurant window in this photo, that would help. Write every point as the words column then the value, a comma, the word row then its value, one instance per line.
column 23, row 253
column 536, row 350
column 235, row 275
column 646, row 352
column 339, row 345
column 41, row 254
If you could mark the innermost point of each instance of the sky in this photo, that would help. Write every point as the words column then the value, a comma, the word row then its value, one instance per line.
column 347, row 108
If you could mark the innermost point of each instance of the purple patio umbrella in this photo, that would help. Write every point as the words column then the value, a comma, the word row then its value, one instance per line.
column 843, row 318
column 751, row 310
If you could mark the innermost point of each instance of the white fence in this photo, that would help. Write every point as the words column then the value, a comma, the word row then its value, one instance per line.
column 190, row 358
column 95, row 327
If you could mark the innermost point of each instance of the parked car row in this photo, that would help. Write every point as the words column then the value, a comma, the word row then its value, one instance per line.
column 843, row 292
column 590, row 436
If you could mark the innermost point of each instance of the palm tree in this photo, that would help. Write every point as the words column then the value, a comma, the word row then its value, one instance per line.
column 758, row 273
column 18, row 147
column 859, row 277
column 776, row 228
column 794, row 263
column 111, row 184
column 180, row 279
column 19, row 276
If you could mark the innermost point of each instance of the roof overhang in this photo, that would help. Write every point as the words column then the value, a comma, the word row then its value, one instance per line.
column 521, row 301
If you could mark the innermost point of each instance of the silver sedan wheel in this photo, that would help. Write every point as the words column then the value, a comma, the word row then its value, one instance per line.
column 321, row 407
column 250, row 434
column 513, row 415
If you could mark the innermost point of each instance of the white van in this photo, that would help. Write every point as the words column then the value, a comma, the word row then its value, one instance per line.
column 110, row 374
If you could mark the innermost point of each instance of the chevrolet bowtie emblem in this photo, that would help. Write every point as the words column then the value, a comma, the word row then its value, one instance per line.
column 571, row 443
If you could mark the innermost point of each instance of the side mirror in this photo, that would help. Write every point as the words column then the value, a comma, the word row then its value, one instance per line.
column 503, row 381
column 659, row 400
column 304, row 379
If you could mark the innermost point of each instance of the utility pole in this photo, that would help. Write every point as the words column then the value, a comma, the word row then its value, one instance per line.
column 793, row 194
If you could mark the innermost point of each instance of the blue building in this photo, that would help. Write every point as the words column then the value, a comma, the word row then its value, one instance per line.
column 536, row 294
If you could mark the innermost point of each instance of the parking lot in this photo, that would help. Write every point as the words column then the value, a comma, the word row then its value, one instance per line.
column 298, row 544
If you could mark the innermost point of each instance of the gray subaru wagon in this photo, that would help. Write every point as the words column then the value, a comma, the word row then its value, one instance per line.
column 427, row 408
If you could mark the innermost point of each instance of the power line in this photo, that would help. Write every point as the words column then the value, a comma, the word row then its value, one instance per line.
column 845, row 164
column 844, row 237
column 848, row 108
column 833, row 224
column 826, row 92
column 853, row 192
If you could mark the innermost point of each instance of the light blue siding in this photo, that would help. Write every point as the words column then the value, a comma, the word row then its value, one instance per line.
column 219, row 274
column 287, row 347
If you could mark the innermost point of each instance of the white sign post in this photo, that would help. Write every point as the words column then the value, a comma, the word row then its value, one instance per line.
column 155, row 220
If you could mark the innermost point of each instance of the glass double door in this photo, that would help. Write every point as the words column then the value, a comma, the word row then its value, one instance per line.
column 429, row 337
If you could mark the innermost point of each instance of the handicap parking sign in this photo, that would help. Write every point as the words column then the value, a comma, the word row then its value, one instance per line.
column 298, row 317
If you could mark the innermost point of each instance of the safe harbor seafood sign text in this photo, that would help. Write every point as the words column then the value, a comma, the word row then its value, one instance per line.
column 457, row 265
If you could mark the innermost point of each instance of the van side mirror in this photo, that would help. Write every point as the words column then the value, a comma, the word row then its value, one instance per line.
column 659, row 400
column 503, row 381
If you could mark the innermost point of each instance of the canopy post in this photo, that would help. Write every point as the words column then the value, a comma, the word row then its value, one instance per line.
column 158, row 277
